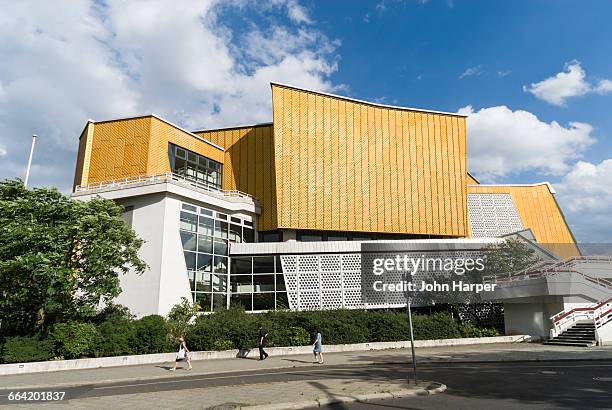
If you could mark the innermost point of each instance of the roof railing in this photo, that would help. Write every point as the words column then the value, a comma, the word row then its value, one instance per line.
column 165, row 177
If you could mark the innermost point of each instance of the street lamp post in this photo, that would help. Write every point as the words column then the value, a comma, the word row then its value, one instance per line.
column 412, row 341
column 27, row 175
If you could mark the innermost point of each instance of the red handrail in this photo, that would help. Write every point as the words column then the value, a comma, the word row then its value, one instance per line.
column 587, row 309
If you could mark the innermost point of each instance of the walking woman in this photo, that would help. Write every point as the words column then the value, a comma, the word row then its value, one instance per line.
column 182, row 354
column 318, row 347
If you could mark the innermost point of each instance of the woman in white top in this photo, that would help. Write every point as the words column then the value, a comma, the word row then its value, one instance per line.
column 182, row 354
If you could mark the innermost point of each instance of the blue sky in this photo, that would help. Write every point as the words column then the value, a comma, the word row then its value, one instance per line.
column 534, row 76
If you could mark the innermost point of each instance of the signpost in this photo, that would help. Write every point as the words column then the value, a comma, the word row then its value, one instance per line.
column 412, row 342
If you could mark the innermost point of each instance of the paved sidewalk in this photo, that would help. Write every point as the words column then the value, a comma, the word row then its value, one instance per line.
column 472, row 353
column 282, row 395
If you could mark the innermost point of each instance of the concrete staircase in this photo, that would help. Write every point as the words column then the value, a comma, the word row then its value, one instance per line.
column 581, row 334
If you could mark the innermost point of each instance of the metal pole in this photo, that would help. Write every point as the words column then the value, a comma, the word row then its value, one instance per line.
column 412, row 343
column 27, row 175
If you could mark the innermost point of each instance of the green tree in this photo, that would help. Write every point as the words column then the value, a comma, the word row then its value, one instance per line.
column 180, row 316
column 59, row 257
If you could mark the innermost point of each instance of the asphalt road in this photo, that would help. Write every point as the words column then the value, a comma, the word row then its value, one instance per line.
column 538, row 385
column 501, row 386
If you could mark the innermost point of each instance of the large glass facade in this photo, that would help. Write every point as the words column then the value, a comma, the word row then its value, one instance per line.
column 257, row 283
column 205, row 236
column 195, row 167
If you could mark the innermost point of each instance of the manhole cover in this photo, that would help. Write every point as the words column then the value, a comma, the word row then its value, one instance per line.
column 603, row 379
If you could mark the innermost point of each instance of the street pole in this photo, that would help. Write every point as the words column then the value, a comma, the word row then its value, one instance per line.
column 27, row 175
column 412, row 344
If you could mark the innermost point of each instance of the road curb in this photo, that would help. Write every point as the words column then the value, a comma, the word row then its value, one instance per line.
column 363, row 398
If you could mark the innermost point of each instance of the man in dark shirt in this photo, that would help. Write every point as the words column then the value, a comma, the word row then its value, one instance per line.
column 261, row 335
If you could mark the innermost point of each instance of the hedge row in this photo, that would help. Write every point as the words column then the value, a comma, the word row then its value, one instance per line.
column 229, row 329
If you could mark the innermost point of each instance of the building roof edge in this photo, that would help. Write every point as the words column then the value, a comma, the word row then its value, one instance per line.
column 395, row 107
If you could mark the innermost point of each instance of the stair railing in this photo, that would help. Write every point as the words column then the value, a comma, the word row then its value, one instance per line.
column 600, row 314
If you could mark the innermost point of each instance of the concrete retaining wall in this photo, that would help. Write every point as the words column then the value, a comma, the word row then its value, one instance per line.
column 92, row 363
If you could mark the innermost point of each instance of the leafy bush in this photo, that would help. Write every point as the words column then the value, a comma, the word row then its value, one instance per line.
column 74, row 340
column 21, row 349
column 150, row 335
column 115, row 337
column 222, row 344
column 437, row 326
column 293, row 336
column 470, row 330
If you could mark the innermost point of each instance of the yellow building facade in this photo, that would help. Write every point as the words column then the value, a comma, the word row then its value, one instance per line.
column 327, row 163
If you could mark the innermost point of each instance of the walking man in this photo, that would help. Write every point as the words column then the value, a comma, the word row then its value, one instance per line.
column 261, row 335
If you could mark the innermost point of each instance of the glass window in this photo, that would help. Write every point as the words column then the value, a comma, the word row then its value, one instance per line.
column 248, row 223
column 204, row 262
column 279, row 266
column 361, row 237
column 189, row 241
column 206, row 225
column 219, row 283
column 204, row 244
column 191, row 156
column 332, row 237
column 219, row 301
column 220, row 264
column 205, row 211
column 236, row 220
column 221, row 229
column 235, row 233
column 311, row 238
column 203, row 281
column 282, row 302
column 220, row 247
column 263, row 301
column 263, row 264
column 189, row 221
column 280, row 283
column 190, row 260
column 221, row 216
column 243, row 300
column 204, row 300
column 188, row 207
column 248, row 235
column 273, row 236
column 192, row 280
column 263, row 283
column 241, row 283
column 180, row 166
column 241, row 265
column 181, row 152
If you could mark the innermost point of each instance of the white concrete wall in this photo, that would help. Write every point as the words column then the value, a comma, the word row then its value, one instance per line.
column 140, row 293
column 530, row 318
column 604, row 335
column 174, row 283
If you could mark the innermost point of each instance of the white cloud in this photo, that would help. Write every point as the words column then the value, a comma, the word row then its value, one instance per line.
column 585, row 195
column 471, row 71
column 603, row 87
column 503, row 142
column 3, row 151
column 63, row 63
column 295, row 11
column 569, row 83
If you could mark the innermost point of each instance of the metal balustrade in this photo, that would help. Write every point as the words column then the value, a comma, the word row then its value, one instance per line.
column 140, row 180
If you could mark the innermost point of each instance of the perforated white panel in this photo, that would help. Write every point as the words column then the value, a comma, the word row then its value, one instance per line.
column 334, row 281
column 492, row 215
